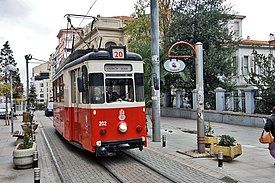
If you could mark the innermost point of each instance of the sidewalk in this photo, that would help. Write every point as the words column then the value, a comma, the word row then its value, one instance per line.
column 254, row 165
column 7, row 144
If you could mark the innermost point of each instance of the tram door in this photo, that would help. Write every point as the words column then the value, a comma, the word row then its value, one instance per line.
column 75, row 107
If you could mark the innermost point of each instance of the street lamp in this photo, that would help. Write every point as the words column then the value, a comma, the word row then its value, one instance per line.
column 11, row 69
column 28, row 58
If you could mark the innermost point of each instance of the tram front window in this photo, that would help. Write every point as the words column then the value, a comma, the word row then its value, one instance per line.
column 120, row 89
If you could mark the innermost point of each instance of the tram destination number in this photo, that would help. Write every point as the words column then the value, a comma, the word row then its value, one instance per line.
column 118, row 53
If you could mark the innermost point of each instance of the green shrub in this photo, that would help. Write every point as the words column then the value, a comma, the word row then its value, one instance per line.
column 227, row 140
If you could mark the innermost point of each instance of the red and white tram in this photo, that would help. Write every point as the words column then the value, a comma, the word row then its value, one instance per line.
column 99, row 100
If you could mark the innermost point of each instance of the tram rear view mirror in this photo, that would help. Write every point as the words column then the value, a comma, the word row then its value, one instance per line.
column 80, row 84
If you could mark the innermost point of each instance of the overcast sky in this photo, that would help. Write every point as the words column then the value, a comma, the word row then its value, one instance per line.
column 31, row 26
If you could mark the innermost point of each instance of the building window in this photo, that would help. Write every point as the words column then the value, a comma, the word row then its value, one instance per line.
column 237, row 29
column 110, row 43
column 235, row 65
column 41, row 85
column 245, row 65
column 41, row 95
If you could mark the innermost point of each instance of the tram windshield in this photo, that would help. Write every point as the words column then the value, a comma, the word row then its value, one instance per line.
column 115, row 89
column 119, row 89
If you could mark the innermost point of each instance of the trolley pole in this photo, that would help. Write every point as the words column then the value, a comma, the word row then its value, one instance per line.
column 155, row 70
column 200, row 96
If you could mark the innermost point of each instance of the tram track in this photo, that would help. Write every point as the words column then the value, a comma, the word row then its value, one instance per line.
column 122, row 168
column 81, row 157
column 169, row 178
column 61, row 176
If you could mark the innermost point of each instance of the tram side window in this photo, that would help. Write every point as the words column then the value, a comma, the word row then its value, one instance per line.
column 54, row 91
column 139, row 87
column 73, row 86
column 96, row 88
column 85, row 94
column 61, row 89
column 57, row 90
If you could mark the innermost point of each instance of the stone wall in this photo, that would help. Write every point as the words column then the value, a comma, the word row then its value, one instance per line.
column 236, row 118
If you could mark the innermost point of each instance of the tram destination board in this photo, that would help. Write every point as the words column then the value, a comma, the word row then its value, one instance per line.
column 118, row 68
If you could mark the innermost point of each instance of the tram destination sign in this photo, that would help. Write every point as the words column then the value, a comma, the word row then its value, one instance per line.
column 174, row 65
column 118, row 68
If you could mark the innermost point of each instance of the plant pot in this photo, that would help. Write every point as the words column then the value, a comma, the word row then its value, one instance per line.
column 23, row 158
column 210, row 140
column 229, row 153
column 19, row 140
column 26, row 116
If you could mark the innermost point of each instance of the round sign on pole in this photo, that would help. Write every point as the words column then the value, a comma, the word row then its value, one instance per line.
column 174, row 65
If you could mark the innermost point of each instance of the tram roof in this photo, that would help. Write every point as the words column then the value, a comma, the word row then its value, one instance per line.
column 80, row 56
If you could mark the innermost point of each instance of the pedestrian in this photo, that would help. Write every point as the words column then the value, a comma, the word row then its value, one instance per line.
column 270, row 127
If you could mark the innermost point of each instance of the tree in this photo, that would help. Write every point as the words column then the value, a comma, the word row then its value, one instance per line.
column 204, row 21
column 263, row 76
column 32, row 96
column 139, row 32
column 6, row 58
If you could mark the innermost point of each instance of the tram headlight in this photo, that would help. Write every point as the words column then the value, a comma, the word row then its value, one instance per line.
column 122, row 127
column 98, row 143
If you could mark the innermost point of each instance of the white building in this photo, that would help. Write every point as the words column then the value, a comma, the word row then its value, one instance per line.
column 243, row 60
column 41, row 79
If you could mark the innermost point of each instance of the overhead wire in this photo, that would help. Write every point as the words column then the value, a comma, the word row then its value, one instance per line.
column 87, row 12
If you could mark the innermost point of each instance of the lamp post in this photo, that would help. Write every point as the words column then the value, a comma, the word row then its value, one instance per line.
column 11, row 69
column 27, row 57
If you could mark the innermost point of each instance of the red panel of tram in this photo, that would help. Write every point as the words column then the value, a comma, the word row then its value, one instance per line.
column 106, row 124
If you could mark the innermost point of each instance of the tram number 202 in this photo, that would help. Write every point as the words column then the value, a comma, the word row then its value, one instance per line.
column 102, row 123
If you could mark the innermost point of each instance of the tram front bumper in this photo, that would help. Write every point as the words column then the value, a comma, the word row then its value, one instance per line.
column 111, row 148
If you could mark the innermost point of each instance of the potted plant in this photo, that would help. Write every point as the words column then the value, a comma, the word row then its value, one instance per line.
column 209, row 138
column 23, row 152
column 228, row 145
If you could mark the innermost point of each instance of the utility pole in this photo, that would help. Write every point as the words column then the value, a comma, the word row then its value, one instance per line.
column 155, row 70
column 11, row 69
column 200, row 96
column 11, row 101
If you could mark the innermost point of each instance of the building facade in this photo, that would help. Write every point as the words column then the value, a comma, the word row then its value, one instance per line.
column 41, row 79
column 243, row 62
column 102, row 32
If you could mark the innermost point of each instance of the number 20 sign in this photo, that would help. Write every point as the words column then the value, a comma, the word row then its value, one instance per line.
column 118, row 53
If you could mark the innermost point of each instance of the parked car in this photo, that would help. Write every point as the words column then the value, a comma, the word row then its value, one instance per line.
column 49, row 109
column 3, row 110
